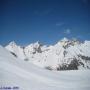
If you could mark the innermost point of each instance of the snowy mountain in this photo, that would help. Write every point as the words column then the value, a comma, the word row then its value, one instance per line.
column 64, row 55
column 17, row 74
column 16, row 50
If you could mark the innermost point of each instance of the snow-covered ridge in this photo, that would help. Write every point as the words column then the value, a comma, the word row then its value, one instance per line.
column 15, row 72
column 64, row 55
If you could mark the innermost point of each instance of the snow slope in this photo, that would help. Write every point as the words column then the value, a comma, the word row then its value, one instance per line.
column 15, row 72
column 64, row 55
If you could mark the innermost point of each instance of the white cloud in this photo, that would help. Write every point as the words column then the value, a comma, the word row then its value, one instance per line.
column 67, row 31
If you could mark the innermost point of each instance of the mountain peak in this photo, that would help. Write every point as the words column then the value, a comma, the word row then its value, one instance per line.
column 65, row 39
column 11, row 46
column 37, row 44
column 12, row 43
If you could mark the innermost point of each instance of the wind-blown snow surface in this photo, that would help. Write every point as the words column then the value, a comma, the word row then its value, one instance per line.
column 64, row 55
column 27, row 76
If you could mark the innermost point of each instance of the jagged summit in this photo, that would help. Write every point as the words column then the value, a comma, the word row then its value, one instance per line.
column 16, row 50
column 65, row 42
column 37, row 44
column 12, row 43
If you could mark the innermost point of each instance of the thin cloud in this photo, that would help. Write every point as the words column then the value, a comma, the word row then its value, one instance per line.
column 67, row 31
column 59, row 24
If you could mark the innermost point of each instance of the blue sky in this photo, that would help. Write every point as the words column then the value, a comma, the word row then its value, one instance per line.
column 47, row 21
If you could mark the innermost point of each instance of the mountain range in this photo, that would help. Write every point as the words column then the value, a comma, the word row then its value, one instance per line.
column 64, row 55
